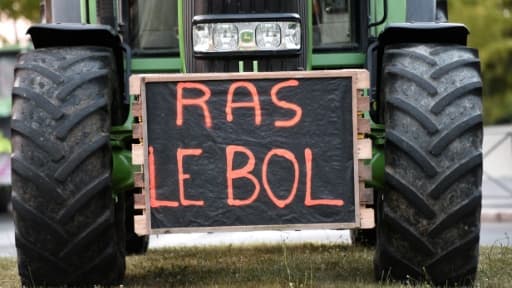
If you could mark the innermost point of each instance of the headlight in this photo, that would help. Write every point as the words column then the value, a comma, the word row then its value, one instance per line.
column 246, row 33
column 201, row 37
column 268, row 35
column 225, row 36
column 292, row 35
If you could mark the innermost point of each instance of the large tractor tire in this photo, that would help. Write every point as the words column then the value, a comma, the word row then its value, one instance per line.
column 5, row 198
column 430, row 214
column 363, row 237
column 64, row 210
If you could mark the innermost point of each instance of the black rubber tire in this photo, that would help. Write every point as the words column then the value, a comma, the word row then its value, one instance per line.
column 430, row 214
column 5, row 198
column 363, row 237
column 62, row 164
column 135, row 244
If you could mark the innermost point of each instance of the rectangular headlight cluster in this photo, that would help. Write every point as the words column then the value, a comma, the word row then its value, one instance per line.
column 246, row 33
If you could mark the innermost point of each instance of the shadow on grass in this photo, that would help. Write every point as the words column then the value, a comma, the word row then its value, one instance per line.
column 258, row 266
column 273, row 266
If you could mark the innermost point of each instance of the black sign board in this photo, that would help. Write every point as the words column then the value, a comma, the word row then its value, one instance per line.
column 250, row 151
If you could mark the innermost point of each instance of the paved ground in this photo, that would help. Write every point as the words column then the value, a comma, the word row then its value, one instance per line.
column 6, row 236
column 496, row 234
column 497, row 199
column 260, row 237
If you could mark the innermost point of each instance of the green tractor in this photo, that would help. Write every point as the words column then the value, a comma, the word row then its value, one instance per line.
column 156, row 116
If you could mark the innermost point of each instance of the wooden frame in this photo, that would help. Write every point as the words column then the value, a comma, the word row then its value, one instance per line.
column 362, row 147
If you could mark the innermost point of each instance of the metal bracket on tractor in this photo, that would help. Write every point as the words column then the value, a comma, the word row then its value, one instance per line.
column 252, row 151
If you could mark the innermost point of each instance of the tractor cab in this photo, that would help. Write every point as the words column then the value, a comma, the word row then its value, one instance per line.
column 218, row 36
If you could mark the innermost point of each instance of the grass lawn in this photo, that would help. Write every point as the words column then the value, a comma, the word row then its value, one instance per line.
column 272, row 266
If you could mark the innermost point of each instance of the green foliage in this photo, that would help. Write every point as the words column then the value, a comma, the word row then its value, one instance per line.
column 5, row 144
column 21, row 8
column 490, row 23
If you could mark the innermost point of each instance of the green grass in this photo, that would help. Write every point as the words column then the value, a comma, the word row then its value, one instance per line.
column 272, row 266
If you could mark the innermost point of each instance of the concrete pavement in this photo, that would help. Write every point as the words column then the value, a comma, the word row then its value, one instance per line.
column 497, row 199
column 7, row 248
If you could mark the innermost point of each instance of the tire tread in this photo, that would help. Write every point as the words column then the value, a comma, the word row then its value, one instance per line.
column 431, row 207
column 62, row 168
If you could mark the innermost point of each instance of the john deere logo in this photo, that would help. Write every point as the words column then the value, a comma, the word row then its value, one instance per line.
column 247, row 36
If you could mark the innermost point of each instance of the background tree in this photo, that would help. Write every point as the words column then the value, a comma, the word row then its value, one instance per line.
column 490, row 23
column 16, row 9
column 13, row 10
